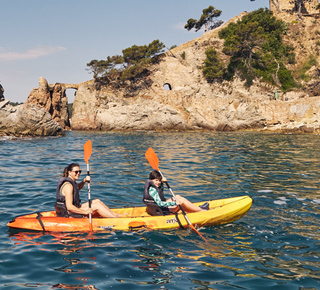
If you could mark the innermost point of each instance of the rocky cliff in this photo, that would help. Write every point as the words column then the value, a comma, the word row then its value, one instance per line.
column 176, row 96
column 181, row 99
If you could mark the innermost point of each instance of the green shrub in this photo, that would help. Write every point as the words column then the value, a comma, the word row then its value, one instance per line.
column 302, row 72
column 286, row 78
column 213, row 68
column 256, row 49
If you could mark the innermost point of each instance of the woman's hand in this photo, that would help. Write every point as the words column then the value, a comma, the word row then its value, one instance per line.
column 87, row 179
column 88, row 211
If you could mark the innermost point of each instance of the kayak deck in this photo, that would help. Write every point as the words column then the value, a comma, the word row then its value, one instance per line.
column 220, row 211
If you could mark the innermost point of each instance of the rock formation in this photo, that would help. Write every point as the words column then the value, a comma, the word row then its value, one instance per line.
column 53, row 99
column 176, row 96
column 27, row 120
column 191, row 103
column 289, row 6
column 1, row 93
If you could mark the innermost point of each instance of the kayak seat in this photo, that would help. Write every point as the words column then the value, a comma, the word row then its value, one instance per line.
column 153, row 209
column 61, row 209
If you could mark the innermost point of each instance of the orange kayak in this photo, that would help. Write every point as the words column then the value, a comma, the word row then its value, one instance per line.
column 220, row 211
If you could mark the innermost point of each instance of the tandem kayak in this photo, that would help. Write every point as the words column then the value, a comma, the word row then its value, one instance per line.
column 220, row 212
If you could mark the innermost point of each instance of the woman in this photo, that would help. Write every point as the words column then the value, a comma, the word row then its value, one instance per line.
column 153, row 193
column 68, row 198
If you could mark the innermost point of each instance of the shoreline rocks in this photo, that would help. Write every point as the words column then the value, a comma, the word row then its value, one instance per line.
column 27, row 120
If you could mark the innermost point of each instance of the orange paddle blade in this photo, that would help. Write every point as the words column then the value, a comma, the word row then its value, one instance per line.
column 152, row 158
column 87, row 151
column 195, row 230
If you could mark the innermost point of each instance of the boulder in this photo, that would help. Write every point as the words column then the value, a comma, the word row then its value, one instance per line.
column 27, row 120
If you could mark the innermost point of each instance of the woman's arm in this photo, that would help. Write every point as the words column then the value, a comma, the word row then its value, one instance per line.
column 83, row 182
column 67, row 191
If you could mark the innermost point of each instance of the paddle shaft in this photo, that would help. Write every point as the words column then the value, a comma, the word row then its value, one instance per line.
column 174, row 197
column 87, row 147
column 182, row 210
column 89, row 192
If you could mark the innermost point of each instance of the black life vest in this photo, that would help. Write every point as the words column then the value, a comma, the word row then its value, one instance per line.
column 146, row 196
column 76, row 196
column 60, row 205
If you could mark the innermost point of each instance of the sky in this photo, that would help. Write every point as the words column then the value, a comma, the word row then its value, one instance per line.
column 55, row 39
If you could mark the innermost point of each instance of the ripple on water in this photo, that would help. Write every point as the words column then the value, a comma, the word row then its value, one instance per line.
column 275, row 246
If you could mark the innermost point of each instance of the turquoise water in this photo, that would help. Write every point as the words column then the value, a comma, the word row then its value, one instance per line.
column 275, row 246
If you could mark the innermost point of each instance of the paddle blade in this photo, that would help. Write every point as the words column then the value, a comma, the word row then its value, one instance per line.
column 152, row 158
column 87, row 151
column 196, row 231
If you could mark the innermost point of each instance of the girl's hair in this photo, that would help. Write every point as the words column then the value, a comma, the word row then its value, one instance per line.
column 155, row 174
column 69, row 168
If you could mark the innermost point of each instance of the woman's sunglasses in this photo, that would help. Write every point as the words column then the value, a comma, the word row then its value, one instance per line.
column 77, row 171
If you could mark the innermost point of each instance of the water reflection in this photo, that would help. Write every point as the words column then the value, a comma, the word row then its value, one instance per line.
column 75, row 287
column 275, row 245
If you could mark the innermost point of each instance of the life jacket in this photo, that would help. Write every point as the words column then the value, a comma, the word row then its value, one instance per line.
column 60, row 205
column 152, row 208
column 146, row 196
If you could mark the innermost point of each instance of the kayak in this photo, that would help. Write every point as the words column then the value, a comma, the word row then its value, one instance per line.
column 220, row 212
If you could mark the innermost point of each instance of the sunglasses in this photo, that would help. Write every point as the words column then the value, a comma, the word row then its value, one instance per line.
column 77, row 171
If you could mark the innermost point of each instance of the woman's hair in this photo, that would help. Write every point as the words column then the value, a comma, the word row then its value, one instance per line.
column 155, row 174
column 69, row 168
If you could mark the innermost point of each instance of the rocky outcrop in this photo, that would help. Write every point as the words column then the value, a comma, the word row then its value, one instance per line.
column 171, row 110
column 179, row 98
column 27, row 120
column 53, row 99
column 176, row 96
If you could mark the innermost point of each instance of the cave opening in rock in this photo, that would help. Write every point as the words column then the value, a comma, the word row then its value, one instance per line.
column 167, row 87
column 71, row 94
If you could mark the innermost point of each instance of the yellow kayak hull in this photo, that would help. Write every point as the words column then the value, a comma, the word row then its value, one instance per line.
column 220, row 212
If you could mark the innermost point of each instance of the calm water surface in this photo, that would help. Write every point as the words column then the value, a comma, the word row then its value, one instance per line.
column 275, row 246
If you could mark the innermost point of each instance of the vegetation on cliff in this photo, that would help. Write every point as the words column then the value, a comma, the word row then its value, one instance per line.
column 131, row 65
column 254, row 45
column 207, row 19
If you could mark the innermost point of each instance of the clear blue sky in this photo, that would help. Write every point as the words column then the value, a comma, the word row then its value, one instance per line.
column 55, row 39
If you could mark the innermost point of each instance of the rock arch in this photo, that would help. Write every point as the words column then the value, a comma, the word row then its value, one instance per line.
column 53, row 99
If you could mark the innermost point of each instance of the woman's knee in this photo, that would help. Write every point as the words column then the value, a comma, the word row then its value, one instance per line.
column 96, row 203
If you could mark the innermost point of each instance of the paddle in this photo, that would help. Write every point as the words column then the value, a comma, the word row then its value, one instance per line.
column 87, row 153
column 154, row 162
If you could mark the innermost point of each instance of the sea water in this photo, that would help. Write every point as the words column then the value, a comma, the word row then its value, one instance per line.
column 274, row 246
